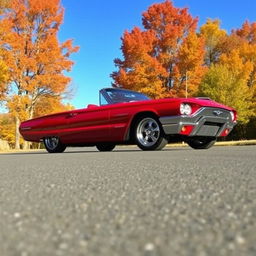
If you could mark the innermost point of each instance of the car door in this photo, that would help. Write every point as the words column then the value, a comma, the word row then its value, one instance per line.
column 120, row 116
column 89, row 125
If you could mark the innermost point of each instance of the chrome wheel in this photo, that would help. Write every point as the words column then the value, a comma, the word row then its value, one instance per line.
column 54, row 145
column 51, row 142
column 148, row 132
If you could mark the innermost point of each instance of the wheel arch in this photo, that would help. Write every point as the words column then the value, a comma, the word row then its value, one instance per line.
column 148, row 113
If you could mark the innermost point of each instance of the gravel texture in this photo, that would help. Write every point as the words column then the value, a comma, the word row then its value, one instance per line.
column 177, row 201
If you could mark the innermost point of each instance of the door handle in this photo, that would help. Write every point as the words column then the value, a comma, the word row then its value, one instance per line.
column 71, row 115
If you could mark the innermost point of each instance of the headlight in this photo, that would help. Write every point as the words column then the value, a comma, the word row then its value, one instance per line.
column 233, row 116
column 185, row 109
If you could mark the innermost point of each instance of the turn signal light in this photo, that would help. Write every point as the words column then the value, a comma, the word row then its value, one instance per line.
column 186, row 129
column 225, row 132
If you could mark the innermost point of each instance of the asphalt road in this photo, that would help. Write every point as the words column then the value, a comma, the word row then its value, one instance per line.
column 175, row 202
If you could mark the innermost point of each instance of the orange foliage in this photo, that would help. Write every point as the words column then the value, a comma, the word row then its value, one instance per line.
column 190, row 62
column 247, row 32
column 3, row 79
column 49, row 105
column 144, row 70
column 34, row 56
column 157, row 59
column 236, row 64
column 247, row 52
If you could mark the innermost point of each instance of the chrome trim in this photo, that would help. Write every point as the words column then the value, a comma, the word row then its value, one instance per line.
column 25, row 128
column 204, row 120
column 121, row 115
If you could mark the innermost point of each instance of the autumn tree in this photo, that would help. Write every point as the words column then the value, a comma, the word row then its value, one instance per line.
column 248, row 50
column 214, row 39
column 226, row 82
column 140, row 71
column 49, row 105
column 246, row 36
column 35, row 58
column 158, row 58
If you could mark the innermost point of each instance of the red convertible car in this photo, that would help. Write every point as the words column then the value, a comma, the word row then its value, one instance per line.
column 128, row 117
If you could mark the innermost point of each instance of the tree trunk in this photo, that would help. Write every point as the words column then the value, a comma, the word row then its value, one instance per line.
column 17, row 133
column 31, row 111
column 26, row 145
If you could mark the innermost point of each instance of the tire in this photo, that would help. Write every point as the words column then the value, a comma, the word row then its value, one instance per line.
column 201, row 142
column 53, row 145
column 149, row 134
column 105, row 147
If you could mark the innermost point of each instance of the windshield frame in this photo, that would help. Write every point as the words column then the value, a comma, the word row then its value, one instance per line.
column 108, row 100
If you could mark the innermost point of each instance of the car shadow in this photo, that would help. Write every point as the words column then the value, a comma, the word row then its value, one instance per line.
column 91, row 151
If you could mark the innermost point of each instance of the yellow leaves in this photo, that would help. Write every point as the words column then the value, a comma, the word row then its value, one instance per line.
column 232, row 79
column 49, row 105
column 237, row 65
column 212, row 32
column 18, row 105
column 214, row 37
column 190, row 64
column 248, row 51
column 7, row 128
column 3, row 79
column 223, row 85
column 4, row 4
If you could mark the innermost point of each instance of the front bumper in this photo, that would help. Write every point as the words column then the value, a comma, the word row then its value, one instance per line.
column 210, row 122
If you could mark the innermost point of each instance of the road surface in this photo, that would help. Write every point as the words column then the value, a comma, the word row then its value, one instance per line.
column 128, row 202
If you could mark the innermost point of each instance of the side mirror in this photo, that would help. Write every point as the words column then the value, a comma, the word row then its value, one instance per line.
column 92, row 106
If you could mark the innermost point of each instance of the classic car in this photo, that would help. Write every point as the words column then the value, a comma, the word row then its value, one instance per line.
column 128, row 117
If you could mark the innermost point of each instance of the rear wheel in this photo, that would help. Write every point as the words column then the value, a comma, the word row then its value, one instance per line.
column 105, row 147
column 149, row 134
column 53, row 145
column 201, row 142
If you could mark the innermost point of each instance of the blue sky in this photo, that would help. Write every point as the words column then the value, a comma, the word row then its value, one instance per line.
column 97, row 26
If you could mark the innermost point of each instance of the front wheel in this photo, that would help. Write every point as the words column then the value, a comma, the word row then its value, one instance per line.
column 149, row 134
column 201, row 142
column 53, row 145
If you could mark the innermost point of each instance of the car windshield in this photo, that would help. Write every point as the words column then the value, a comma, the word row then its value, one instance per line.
column 119, row 96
